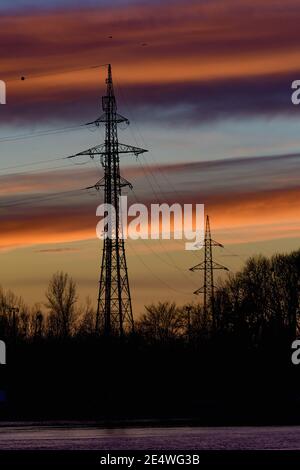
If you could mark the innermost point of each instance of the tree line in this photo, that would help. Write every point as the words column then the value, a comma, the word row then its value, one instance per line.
column 256, row 303
column 175, row 364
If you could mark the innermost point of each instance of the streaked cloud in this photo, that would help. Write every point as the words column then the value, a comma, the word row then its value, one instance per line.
column 258, row 192
column 64, row 249
column 211, row 60
column 204, row 78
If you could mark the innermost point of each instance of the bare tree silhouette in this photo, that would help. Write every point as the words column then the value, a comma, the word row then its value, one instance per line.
column 61, row 296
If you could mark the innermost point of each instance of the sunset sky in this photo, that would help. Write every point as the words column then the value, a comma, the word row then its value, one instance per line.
column 206, row 86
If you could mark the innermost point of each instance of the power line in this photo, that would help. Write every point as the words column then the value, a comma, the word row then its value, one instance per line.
column 155, row 275
column 37, row 171
column 155, row 179
column 40, row 162
column 40, row 197
column 171, row 264
column 48, row 74
column 44, row 170
column 59, row 130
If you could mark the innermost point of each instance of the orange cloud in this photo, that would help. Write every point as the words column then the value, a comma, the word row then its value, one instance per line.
column 252, row 215
column 203, row 42
column 247, row 208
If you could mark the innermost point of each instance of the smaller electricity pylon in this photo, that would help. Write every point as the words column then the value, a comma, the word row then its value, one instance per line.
column 208, row 266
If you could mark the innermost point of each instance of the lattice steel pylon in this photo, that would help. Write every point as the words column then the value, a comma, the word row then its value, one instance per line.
column 208, row 266
column 114, row 308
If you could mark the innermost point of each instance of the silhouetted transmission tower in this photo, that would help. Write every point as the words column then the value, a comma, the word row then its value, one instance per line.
column 114, row 309
column 208, row 266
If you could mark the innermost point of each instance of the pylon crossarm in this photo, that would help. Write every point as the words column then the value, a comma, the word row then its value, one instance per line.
column 103, row 119
column 124, row 182
column 214, row 243
column 101, row 150
column 198, row 266
column 124, row 148
column 97, row 150
column 219, row 266
column 98, row 185
column 199, row 291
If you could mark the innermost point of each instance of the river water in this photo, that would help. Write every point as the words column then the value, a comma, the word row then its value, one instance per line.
column 148, row 438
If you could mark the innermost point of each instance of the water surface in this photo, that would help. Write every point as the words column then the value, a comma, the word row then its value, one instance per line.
column 162, row 438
